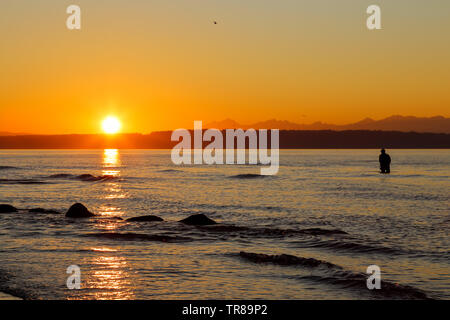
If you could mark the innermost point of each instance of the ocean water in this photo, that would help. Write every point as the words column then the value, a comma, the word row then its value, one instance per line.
column 329, row 210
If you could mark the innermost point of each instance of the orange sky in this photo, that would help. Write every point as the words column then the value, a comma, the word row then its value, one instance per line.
column 162, row 64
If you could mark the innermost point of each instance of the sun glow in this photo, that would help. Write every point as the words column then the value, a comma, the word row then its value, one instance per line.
column 111, row 125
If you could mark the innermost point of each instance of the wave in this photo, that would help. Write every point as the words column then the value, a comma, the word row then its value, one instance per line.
column 14, row 294
column 286, row 260
column 7, row 296
column 83, row 177
column 89, row 177
column 272, row 231
column 369, row 194
column 7, row 168
column 6, row 286
column 223, row 228
column 409, row 175
column 21, row 181
column 352, row 247
column 45, row 211
column 131, row 236
column 170, row 170
column 343, row 245
column 320, row 231
column 245, row 206
column 336, row 275
column 248, row 176
column 356, row 281
column 61, row 176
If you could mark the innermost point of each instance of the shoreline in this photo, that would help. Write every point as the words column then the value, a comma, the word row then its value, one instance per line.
column 7, row 296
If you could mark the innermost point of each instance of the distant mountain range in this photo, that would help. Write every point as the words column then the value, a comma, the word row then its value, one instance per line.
column 438, row 124
column 289, row 139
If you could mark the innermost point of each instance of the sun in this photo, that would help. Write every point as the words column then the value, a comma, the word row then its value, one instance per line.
column 111, row 125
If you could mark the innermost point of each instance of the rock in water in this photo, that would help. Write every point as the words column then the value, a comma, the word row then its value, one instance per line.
column 6, row 208
column 146, row 218
column 198, row 220
column 79, row 211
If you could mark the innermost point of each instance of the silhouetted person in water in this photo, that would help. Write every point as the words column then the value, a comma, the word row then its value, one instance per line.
column 385, row 162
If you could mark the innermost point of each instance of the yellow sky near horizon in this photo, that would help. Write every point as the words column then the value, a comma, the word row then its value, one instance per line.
column 162, row 64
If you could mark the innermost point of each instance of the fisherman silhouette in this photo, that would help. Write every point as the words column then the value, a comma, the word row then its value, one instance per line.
column 385, row 162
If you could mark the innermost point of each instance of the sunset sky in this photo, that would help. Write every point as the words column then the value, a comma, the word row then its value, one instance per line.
column 160, row 64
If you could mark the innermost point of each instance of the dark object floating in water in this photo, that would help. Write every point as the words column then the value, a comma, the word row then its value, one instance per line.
column 286, row 260
column 41, row 210
column 6, row 208
column 7, row 168
column 78, row 210
column 146, row 218
column 248, row 176
column 198, row 220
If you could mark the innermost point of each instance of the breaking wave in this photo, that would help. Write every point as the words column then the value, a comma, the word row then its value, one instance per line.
column 352, row 247
column 83, row 177
column 272, row 231
column 249, row 176
column 336, row 275
column 286, row 260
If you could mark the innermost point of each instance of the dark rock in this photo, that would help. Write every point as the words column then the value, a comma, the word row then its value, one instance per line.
column 198, row 220
column 6, row 208
column 40, row 210
column 79, row 211
column 146, row 218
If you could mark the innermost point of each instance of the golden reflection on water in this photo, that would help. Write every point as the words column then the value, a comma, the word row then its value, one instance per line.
column 103, row 249
column 111, row 164
column 111, row 158
column 109, row 278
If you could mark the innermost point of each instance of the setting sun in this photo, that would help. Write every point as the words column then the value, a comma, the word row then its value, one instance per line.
column 111, row 125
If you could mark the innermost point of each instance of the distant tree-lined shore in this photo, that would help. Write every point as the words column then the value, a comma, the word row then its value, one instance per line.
column 289, row 139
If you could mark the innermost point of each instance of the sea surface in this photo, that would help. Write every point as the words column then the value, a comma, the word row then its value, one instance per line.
column 309, row 232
